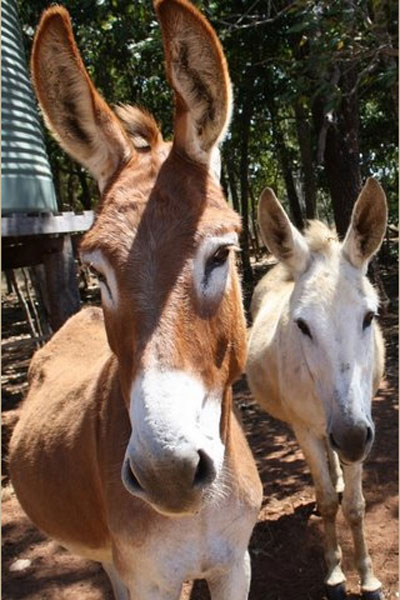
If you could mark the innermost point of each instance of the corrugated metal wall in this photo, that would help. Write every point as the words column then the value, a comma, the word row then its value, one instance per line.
column 26, row 182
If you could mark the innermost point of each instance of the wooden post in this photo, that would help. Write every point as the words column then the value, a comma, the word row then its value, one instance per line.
column 24, row 306
column 61, row 284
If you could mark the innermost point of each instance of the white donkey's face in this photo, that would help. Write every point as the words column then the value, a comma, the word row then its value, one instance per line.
column 332, row 311
column 332, row 318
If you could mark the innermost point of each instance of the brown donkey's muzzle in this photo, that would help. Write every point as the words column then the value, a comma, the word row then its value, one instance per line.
column 173, row 485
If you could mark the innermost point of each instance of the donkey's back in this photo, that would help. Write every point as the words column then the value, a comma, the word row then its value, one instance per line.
column 73, row 351
column 275, row 283
column 268, row 305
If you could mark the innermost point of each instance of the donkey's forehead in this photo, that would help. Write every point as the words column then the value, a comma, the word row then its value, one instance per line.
column 157, row 206
column 333, row 281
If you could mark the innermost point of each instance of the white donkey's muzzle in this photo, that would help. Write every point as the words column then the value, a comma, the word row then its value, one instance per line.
column 352, row 442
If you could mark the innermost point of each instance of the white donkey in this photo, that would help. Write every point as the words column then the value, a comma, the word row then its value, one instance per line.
column 316, row 357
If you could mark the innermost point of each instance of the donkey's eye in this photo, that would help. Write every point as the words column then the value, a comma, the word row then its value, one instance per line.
column 369, row 317
column 97, row 274
column 302, row 325
column 100, row 278
column 218, row 258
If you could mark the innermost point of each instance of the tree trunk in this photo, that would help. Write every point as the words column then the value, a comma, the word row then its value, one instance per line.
column 254, row 222
column 341, row 149
column 388, row 58
column 232, row 185
column 304, row 136
column 244, row 201
column 86, row 198
column 224, row 183
column 285, row 163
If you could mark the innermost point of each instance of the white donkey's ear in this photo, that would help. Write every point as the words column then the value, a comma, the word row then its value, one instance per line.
column 74, row 111
column 280, row 236
column 367, row 226
column 197, row 70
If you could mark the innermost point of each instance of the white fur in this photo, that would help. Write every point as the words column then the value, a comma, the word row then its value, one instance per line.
column 322, row 383
column 172, row 410
column 101, row 264
column 336, row 366
column 210, row 545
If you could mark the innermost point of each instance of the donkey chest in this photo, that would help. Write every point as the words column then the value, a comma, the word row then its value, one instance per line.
column 190, row 547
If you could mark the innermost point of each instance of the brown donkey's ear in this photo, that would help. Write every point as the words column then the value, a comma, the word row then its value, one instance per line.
column 197, row 70
column 368, row 225
column 280, row 236
column 74, row 111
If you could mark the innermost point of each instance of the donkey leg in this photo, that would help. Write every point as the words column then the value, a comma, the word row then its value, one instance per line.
column 119, row 589
column 354, row 510
column 314, row 450
column 234, row 584
column 142, row 588
column 335, row 469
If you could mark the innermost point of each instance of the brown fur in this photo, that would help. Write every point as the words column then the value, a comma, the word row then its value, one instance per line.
column 67, row 449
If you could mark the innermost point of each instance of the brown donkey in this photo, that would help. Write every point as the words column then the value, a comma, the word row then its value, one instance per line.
column 128, row 450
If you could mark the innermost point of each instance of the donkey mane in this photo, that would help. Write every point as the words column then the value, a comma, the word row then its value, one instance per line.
column 140, row 126
column 321, row 238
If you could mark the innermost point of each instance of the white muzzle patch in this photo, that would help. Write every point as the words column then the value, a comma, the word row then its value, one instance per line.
column 171, row 411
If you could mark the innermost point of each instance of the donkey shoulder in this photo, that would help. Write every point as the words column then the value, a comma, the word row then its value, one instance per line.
column 75, row 348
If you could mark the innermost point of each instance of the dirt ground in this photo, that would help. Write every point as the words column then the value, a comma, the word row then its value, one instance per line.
column 286, row 546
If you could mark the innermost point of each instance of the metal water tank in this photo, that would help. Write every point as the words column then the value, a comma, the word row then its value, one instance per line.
column 26, row 183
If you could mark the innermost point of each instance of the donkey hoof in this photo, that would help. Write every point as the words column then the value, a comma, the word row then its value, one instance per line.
column 337, row 592
column 375, row 595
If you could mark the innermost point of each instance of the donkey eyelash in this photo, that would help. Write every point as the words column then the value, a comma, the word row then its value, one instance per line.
column 368, row 318
column 219, row 256
column 96, row 273
column 100, row 277
column 304, row 328
column 228, row 246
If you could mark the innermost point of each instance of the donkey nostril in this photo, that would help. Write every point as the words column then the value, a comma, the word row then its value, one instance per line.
column 205, row 471
column 129, row 479
column 333, row 443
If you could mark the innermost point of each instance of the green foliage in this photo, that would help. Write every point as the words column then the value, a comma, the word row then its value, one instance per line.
column 281, row 55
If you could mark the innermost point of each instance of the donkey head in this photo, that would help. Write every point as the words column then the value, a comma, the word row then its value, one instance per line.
column 336, row 346
column 162, row 245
